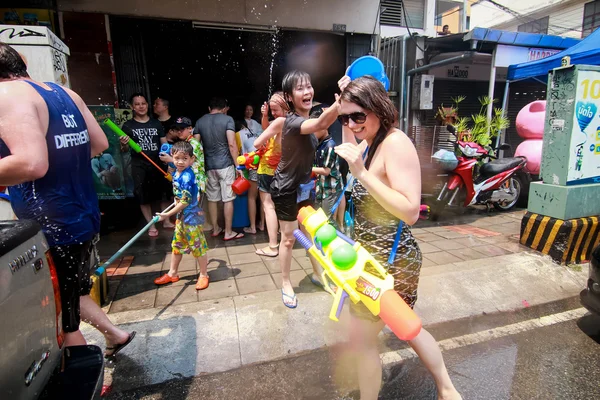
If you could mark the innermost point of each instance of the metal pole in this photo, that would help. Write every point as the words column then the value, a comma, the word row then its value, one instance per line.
column 501, row 137
column 394, row 63
column 490, row 107
column 464, row 16
column 402, row 82
column 407, row 105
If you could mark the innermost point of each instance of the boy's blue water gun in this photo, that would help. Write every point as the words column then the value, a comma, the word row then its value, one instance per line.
column 166, row 149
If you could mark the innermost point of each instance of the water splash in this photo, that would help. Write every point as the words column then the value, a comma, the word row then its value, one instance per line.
column 274, row 48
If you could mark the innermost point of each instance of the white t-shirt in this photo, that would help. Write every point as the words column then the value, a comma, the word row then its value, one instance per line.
column 254, row 127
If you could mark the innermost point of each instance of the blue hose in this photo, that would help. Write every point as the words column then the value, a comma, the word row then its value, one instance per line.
column 100, row 270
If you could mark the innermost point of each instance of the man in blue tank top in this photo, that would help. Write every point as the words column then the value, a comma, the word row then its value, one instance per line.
column 48, row 137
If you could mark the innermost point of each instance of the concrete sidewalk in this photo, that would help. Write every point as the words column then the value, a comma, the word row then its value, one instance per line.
column 470, row 268
column 235, row 269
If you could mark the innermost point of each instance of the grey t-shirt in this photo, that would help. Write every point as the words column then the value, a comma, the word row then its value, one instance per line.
column 297, row 156
column 212, row 129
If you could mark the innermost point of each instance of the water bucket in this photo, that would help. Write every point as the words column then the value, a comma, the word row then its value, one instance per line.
column 240, row 185
column 369, row 65
column 241, row 218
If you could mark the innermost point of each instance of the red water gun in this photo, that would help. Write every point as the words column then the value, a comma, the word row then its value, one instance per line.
column 252, row 159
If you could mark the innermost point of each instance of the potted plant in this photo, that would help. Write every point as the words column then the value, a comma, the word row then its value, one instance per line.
column 478, row 128
column 448, row 115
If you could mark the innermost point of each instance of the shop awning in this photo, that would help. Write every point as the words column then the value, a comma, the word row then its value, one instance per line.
column 585, row 52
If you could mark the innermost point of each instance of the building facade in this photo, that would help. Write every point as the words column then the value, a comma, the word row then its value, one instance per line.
column 570, row 18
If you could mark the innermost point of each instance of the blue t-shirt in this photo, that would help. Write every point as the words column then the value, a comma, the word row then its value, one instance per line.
column 185, row 190
column 64, row 201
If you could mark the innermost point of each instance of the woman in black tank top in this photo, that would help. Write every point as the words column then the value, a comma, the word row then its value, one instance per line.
column 387, row 190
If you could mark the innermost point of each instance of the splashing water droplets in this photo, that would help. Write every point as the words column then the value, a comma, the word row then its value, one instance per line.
column 275, row 45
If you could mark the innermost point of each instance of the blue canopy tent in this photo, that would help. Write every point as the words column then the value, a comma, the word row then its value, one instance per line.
column 585, row 52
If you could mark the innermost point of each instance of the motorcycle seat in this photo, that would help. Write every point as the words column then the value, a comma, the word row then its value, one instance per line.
column 497, row 166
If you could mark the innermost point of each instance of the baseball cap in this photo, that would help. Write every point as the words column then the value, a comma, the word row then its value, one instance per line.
column 182, row 122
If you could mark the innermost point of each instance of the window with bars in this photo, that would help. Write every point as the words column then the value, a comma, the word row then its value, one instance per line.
column 537, row 26
column 591, row 18
column 391, row 13
column 402, row 13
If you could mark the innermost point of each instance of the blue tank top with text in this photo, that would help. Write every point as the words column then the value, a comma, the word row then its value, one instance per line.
column 64, row 201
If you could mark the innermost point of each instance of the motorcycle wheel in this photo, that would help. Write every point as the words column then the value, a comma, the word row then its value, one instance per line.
column 515, row 182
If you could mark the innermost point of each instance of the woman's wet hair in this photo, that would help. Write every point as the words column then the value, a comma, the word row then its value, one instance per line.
column 279, row 99
column 290, row 80
column 182, row 147
column 11, row 63
column 368, row 93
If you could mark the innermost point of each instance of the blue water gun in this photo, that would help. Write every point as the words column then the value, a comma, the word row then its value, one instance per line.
column 166, row 149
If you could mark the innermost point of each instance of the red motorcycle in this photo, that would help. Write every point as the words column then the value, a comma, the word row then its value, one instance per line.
column 497, row 183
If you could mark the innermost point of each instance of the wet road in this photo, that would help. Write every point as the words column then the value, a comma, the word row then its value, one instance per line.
column 546, row 352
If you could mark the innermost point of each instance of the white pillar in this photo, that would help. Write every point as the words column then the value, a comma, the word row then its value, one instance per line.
column 464, row 16
column 429, row 18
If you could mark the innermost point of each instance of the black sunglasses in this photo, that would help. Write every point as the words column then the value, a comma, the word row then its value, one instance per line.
column 357, row 117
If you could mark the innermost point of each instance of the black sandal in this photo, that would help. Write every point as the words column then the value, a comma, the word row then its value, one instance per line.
column 119, row 347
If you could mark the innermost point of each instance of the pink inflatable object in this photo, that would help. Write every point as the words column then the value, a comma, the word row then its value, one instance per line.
column 532, row 149
column 530, row 120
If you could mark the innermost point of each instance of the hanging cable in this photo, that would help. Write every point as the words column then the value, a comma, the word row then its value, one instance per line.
column 408, row 22
column 378, row 18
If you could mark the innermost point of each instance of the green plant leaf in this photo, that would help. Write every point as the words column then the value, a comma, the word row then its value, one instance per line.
column 457, row 100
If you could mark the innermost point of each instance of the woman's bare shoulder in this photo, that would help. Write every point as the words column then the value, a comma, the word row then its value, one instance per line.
column 397, row 137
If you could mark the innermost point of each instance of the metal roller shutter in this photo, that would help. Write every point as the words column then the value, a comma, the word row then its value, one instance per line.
column 130, row 60
column 521, row 94
column 445, row 90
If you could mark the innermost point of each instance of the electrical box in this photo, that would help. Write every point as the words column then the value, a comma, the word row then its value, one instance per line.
column 43, row 52
column 422, row 92
column 571, row 149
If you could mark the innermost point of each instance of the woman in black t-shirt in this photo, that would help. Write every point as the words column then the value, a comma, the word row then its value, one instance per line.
column 298, row 146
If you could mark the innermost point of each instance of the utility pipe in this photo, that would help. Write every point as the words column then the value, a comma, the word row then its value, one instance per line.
column 402, row 78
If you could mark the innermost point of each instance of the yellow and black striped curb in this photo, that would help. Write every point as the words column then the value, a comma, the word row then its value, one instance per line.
column 566, row 241
column 99, row 291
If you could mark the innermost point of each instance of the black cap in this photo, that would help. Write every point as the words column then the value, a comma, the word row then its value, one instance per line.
column 182, row 122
